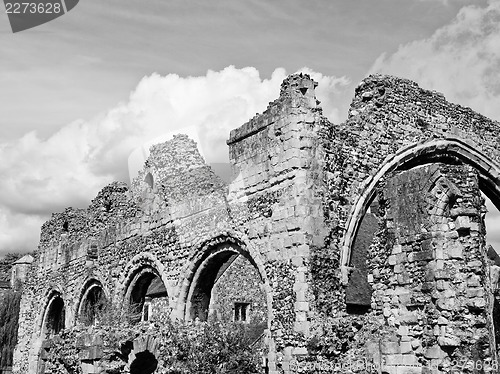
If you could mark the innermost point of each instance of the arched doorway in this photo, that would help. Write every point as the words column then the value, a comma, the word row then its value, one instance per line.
column 142, row 355
column 145, row 362
column 147, row 295
column 431, row 229
column 227, row 286
column 93, row 304
column 54, row 320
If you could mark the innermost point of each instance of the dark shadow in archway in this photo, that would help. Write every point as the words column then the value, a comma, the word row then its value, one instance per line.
column 54, row 319
column 145, row 363
column 210, row 271
column 359, row 291
column 146, row 287
column 229, row 288
column 93, row 305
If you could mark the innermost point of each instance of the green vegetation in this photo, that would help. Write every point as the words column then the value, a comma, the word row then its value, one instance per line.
column 199, row 348
column 9, row 313
column 210, row 348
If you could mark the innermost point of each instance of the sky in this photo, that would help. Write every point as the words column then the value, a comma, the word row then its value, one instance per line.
column 79, row 94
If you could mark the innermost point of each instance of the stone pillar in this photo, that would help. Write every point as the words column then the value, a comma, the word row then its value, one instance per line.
column 278, row 163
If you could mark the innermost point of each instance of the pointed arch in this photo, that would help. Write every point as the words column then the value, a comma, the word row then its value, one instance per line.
column 54, row 315
column 142, row 285
column 204, row 266
column 445, row 193
column 414, row 155
column 92, row 301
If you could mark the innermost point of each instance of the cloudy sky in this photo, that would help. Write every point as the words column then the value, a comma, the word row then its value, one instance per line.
column 80, row 93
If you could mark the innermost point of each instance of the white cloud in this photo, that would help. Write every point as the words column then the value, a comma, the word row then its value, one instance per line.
column 72, row 165
column 19, row 232
column 461, row 60
column 214, row 104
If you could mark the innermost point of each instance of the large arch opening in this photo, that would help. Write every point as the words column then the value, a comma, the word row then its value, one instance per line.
column 54, row 320
column 227, row 286
column 92, row 305
column 147, row 295
column 209, row 272
column 448, row 151
column 455, row 208
column 358, row 289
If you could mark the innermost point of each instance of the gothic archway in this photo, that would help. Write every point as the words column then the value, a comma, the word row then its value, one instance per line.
column 418, row 154
column 146, row 295
column 442, row 182
column 93, row 303
column 226, row 285
column 54, row 317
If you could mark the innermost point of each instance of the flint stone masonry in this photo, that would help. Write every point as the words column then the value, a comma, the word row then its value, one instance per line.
column 364, row 239
column 231, row 288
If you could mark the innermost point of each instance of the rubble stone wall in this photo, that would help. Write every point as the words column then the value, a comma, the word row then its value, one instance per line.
column 426, row 270
column 394, row 127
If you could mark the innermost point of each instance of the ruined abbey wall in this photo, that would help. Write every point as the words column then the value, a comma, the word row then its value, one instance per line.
column 426, row 265
column 366, row 238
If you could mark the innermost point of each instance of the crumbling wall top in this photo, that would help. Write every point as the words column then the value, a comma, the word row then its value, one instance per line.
column 398, row 108
column 175, row 156
column 113, row 203
column 386, row 93
column 176, row 170
column 69, row 222
column 297, row 90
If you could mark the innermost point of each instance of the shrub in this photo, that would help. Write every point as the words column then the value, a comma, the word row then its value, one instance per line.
column 9, row 314
column 209, row 348
column 194, row 348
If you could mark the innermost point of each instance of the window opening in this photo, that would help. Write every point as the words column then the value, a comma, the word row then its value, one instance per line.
column 54, row 322
column 241, row 312
column 146, row 311
column 92, row 253
column 149, row 180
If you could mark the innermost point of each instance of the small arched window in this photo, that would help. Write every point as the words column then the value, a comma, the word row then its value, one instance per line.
column 145, row 290
column 54, row 318
column 92, row 252
column 92, row 305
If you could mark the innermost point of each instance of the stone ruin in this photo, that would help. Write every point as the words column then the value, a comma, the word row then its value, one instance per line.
column 357, row 242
